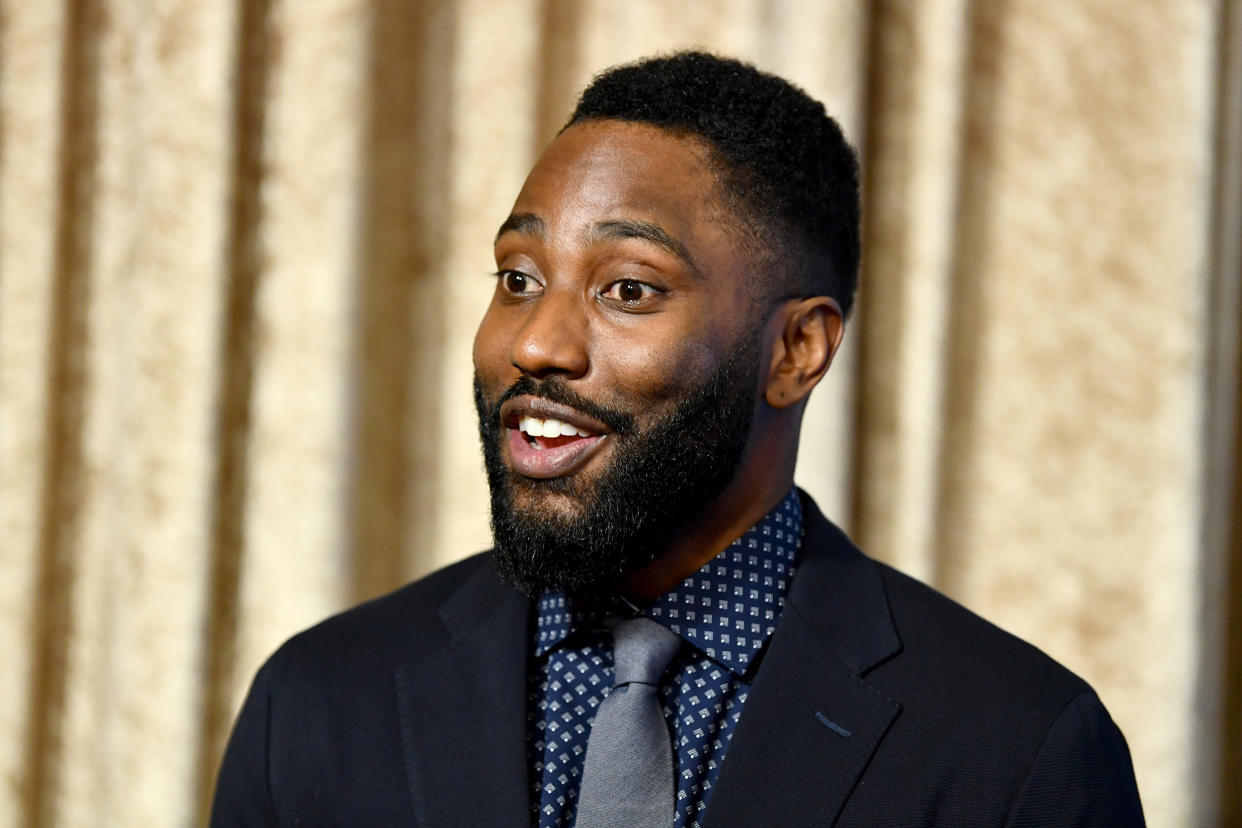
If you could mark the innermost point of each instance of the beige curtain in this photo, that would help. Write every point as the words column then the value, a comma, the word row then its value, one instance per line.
column 244, row 246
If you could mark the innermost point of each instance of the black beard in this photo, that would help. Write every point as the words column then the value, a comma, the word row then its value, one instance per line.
column 659, row 480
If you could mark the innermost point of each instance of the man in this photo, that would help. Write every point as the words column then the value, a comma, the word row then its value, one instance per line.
column 668, row 632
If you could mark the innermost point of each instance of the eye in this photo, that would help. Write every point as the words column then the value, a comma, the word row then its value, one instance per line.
column 631, row 291
column 518, row 283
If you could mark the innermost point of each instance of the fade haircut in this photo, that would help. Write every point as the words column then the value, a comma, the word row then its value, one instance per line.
column 787, row 171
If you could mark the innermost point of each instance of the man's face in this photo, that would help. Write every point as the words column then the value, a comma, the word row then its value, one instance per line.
column 616, row 367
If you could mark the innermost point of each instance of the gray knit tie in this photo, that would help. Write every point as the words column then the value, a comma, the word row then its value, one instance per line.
column 628, row 776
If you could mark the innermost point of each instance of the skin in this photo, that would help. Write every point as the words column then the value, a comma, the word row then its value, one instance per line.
column 619, row 272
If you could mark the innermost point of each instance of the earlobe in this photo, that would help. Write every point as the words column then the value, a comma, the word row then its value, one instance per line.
column 810, row 334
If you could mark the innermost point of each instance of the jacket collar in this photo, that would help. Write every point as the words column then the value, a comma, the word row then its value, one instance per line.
column 840, row 593
column 463, row 711
column 810, row 707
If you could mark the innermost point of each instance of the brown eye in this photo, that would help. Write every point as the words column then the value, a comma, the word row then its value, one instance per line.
column 629, row 291
column 516, row 282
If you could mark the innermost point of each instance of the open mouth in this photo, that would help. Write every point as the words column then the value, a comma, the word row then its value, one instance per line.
column 547, row 439
column 543, row 434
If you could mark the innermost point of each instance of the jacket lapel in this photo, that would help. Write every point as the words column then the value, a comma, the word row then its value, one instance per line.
column 463, row 712
column 811, row 722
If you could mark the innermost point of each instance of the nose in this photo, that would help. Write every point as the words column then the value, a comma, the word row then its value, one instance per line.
column 553, row 338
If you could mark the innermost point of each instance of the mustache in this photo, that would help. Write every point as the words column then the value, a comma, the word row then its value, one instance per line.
column 555, row 390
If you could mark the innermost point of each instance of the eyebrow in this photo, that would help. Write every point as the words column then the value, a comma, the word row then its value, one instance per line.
column 526, row 223
column 617, row 229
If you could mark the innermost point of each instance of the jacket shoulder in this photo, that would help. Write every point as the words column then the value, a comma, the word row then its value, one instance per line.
column 989, row 729
column 390, row 627
column 1016, row 736
column 941, row 636
column 319, row 736
column 907, row 636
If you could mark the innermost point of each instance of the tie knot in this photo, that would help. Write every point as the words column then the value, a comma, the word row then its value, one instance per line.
column 642, row 649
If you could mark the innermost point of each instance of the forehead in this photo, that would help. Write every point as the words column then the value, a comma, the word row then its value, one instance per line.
column 598, row 170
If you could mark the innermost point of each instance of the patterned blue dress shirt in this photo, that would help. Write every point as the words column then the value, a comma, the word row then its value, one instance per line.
column 726, row 611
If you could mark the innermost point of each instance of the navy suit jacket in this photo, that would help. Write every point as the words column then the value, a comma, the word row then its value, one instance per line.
column 877, row 702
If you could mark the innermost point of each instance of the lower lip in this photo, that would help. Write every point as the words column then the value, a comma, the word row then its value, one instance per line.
column 544, row 464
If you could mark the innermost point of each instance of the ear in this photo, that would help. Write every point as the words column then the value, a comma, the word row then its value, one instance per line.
column 810, row 334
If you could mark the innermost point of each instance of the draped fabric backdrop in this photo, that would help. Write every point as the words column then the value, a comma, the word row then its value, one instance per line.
column 245, row 246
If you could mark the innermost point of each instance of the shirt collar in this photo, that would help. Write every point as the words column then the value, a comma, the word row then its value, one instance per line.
column 728, row 608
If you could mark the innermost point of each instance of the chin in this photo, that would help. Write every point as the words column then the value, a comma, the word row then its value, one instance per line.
column 546, row 501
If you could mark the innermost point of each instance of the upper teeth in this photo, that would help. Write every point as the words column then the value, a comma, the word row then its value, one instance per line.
column 536, row 427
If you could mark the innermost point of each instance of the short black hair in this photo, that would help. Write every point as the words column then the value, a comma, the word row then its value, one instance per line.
column 787, row 169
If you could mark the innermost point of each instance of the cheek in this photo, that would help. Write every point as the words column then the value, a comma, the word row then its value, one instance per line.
column 490, row 350
column 655, row 369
